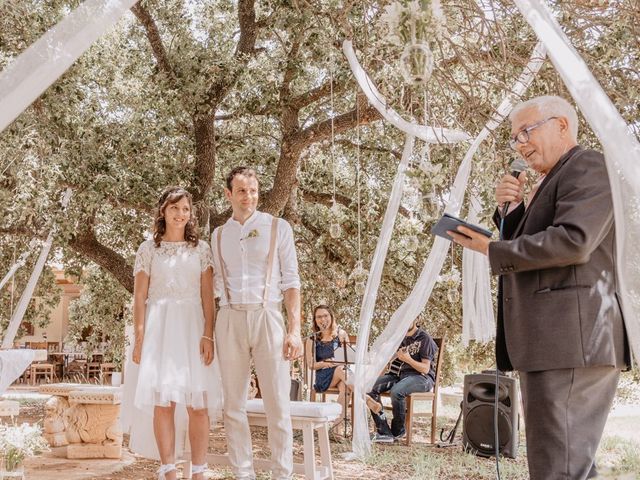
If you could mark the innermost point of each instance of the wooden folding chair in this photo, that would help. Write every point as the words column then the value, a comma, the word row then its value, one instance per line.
column 309, row 375
column 431, row 396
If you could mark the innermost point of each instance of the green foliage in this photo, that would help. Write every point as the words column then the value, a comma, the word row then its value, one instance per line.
column 99, row 315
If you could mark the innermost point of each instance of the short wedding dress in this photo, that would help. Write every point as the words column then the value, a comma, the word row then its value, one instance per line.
column 170, row 369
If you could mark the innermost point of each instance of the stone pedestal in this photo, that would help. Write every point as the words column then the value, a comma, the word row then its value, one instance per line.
column 84, row 419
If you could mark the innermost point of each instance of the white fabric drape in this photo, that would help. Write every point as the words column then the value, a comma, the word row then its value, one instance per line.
column 373, row 283
column 12, row 364
column 621, row 151
column 477, row 305
column 21, row 308
column 14, row 268
column 18, row 264
column 376, row 99
column 14, row 323
column 369, row 365
column 51, row 55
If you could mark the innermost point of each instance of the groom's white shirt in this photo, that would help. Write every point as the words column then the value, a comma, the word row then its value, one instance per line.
column 245, row 250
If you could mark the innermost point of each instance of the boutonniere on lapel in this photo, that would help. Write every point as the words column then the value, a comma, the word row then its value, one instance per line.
column 253, row 233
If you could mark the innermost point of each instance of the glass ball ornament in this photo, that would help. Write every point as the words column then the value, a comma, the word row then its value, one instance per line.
column 360, row 287
column 359, row 273
column 452, row 295
column 335, row 230
column 425, row 159
column 416, row 63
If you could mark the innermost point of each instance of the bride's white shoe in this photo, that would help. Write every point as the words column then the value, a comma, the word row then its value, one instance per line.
column 164, row 469
column 195, row 469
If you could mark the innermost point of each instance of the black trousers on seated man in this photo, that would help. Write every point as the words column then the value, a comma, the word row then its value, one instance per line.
column 399, row 388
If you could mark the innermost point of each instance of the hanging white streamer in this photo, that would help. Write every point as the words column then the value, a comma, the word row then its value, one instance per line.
column 18, row 264
column 621, row 152
column 12, row 364
column 376, row 99
column 14, row 323
column 14, row 268
column 477, row 305
column 377, row 265
column 20, row 310
column 387, row 342
column 35, row 69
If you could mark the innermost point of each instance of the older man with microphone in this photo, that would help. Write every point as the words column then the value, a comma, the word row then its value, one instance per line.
column 559, row 320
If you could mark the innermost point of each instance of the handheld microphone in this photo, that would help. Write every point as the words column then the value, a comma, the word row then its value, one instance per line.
column 517, row 166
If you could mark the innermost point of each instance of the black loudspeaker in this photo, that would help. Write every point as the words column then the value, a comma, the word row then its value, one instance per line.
column 478, row 407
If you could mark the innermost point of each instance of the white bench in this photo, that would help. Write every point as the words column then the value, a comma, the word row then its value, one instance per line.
column 305, row 416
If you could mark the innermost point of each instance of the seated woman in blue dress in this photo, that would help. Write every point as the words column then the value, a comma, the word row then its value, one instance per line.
column 328, row 337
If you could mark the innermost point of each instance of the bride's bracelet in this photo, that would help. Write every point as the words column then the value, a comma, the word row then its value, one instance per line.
column 208, row 338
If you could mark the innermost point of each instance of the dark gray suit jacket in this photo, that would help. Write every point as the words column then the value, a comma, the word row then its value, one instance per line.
column 559, row 293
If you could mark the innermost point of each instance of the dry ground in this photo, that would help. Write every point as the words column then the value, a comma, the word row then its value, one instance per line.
column 619, row 455
column 388, row 462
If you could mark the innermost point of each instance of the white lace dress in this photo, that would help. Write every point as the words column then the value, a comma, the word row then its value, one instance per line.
column 171, row 369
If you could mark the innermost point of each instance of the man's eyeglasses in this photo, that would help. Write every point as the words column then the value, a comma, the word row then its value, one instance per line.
column 523, row 135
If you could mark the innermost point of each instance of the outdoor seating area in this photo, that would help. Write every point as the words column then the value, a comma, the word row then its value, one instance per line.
column 67, row 364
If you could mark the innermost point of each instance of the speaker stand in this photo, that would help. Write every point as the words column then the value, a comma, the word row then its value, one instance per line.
column 448, row 441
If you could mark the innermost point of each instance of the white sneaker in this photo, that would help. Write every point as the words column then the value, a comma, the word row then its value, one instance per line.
column 378, row 438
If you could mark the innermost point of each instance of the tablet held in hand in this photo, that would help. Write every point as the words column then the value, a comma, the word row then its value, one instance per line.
column 449, row 222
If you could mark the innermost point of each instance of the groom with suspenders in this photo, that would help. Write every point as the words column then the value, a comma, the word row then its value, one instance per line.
column 255, row 270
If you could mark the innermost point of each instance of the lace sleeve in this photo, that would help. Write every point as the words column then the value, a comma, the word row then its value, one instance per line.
column 143, row 258
column 206, row 257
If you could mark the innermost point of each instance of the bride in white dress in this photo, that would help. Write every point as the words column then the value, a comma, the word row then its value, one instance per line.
column 173, row 320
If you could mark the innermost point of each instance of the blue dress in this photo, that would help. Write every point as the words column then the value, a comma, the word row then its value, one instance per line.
column 325, row 351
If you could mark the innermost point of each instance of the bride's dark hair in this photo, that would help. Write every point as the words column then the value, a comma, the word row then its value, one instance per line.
column 170, row 196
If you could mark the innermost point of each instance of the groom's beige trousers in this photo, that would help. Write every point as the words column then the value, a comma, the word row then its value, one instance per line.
column 242, row 332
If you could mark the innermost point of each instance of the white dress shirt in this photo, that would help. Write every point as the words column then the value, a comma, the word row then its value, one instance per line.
column 245, row 249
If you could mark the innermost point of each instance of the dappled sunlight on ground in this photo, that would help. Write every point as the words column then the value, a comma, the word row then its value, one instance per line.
column 389, row 462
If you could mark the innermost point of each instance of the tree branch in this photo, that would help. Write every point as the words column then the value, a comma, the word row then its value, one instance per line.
column 288, row 113
column 326, row 199
column 21, row 231
column 205, row 159
column 155, row 40
column 88, row 245
column 322, row 130
column 244, row 49
column 349, row 143
column 294, row 143
column 315, row 94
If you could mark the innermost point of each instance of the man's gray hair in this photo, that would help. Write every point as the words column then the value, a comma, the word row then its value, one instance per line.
column 551, row 106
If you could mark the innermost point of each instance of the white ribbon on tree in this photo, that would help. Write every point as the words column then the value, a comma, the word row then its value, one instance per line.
column 18, row 313
column 12, row 364
column 25, row 298
column 423, row 132
column 621, row 152
column 18, row 264
column 35, row 69
column 368, row 365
